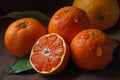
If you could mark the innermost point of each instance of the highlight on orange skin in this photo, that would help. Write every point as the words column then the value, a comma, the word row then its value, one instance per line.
column 91, row 49
column 68, row 21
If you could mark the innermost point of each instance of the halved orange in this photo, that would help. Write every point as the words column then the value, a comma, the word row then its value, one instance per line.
column 49, row 54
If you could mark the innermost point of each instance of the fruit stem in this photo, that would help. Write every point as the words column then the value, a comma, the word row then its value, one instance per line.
column 101, row 17
column 92, row 33
column 66, row 10
column 23, row 25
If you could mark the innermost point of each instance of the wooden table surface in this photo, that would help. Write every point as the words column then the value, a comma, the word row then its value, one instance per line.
column 70, row 73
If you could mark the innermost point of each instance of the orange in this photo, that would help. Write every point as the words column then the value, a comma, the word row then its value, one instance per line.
column 92, row 49
column 49, row 54
column 68, row 21
column 103, row 14
column 22, row 34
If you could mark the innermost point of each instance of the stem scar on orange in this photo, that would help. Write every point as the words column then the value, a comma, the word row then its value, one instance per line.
column 22, row 34
column 49, row 54
column 103, row 14
column 91, row 49
column 68, row 21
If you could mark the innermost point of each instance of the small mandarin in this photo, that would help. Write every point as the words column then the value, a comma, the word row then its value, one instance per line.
column 22, row 34
column 91, row 49
column 101, row 13
column 68, row 21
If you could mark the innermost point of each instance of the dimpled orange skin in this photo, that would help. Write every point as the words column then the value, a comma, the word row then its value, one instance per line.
column 92, row 49
column 22, row 34
column 68, row 21
column 103, row 14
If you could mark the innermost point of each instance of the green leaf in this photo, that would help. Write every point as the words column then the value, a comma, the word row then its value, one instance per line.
column 20, row 65
column 29, row 14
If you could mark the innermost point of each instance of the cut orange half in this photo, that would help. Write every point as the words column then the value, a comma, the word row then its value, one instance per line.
column 49, row 54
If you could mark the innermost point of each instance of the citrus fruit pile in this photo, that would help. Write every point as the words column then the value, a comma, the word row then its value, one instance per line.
column 70, row 34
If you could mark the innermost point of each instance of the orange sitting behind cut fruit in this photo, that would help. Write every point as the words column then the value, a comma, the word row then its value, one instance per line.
column 103, row 14
column 91, row 49
column 68, row 21
column 49, row 54
column 22, row 34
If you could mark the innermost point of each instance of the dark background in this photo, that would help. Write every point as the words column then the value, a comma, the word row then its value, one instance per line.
column 46, row 6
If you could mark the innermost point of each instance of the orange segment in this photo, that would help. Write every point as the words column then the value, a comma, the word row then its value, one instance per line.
column 48, row 54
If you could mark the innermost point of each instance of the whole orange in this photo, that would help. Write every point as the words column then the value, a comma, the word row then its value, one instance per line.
column 92, row 49
column 103, row 14
column 68, row 21
column 22, row 34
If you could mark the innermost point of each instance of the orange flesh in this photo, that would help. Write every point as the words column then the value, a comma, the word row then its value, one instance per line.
column 48, row 52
